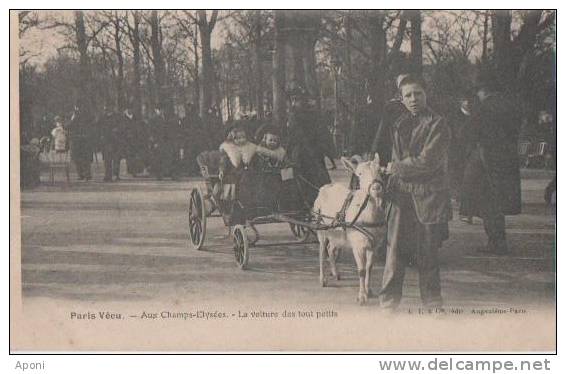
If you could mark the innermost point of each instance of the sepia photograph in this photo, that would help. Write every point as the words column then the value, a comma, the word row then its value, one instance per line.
column 283, row 180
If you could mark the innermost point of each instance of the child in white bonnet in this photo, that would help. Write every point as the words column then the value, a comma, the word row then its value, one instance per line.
column 237, row 147
column 59, row 136
column 240, row 151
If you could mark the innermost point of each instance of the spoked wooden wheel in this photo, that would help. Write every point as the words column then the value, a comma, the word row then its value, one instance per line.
column 301, row 233
column 197, row 219
column 241, row 246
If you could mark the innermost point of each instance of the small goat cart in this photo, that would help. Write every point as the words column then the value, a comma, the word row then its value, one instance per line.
column 250, row 197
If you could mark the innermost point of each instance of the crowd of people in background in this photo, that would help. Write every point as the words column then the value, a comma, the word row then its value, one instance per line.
column 164, row 145
column 160, row 145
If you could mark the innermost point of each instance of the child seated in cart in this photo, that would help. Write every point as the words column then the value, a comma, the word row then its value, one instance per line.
column 240, row 151
column 269, row 168
column 237, row 174
column 271, row 140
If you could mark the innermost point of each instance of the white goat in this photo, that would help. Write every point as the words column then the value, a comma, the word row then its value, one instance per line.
column 331, row 201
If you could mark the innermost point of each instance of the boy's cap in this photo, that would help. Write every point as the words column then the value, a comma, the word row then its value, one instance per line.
column 235, row 126
column 409, row 78
column 267, row 129
column 400, row 79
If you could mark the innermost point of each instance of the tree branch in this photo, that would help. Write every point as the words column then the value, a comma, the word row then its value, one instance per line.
column 212, row 21
column 96, row 32
column 549, row 19
column 399, row 36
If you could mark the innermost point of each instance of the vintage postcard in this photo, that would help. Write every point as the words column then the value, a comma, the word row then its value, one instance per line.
column 283, row 181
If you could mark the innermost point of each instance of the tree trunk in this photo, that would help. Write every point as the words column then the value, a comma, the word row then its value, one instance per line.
column 484, row 37
column 196, row 98
column 26, row 105
column 309, row 61
column 345, row 102
column 151, row 102
column 297, row 78
column 378, row 54
column 416, row 43
column 84, row 101
column 158, row 66
column 302, row 27
column 339, row 117
column 524, row 48
column 258, row 63
column 208, row 84
column 313, row 23
column 137, row 99
column 120, row 96
column 513, row 59
column 227, row 92
column 278, row 78
column 106, row 87
column 376, row 84
column 501, row 29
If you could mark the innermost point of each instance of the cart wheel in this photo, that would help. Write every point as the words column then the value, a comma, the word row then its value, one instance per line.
column 241, row 247
column 197, row 219
column 301, row 233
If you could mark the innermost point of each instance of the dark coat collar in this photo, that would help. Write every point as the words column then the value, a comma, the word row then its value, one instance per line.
column 426, row 116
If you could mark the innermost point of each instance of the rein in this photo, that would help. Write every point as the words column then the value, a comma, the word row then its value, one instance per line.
column 365, row 203
column 308, row 182
column 362, row 208
column 339, row 221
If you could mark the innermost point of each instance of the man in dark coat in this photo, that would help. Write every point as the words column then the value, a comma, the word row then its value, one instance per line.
column 492, row 180
column 325, row 141
column 82, row 139
column 196, row 139
column 212, row 125
column 392, row 110
column 363, row 133
column 112, row 143
column 173, row 145
column 135, row 142
column 160, row 159
column 460, row 150
column 418, row 208
column 303, row 149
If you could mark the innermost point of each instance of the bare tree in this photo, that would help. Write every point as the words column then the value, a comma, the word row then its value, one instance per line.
column 258, row 37
column 206, row 26
column 416, row 42
column 512, row 56
column 196, row 76
column 188, row 24
column 133, row 32
column 27, row 20
column 82, row 45
column 111, row 41
column 79, row 34
column 249, row 32
column 278, row 78
column 363, row 48
column 158, row 64
column 501, row 28
column 116, row 22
